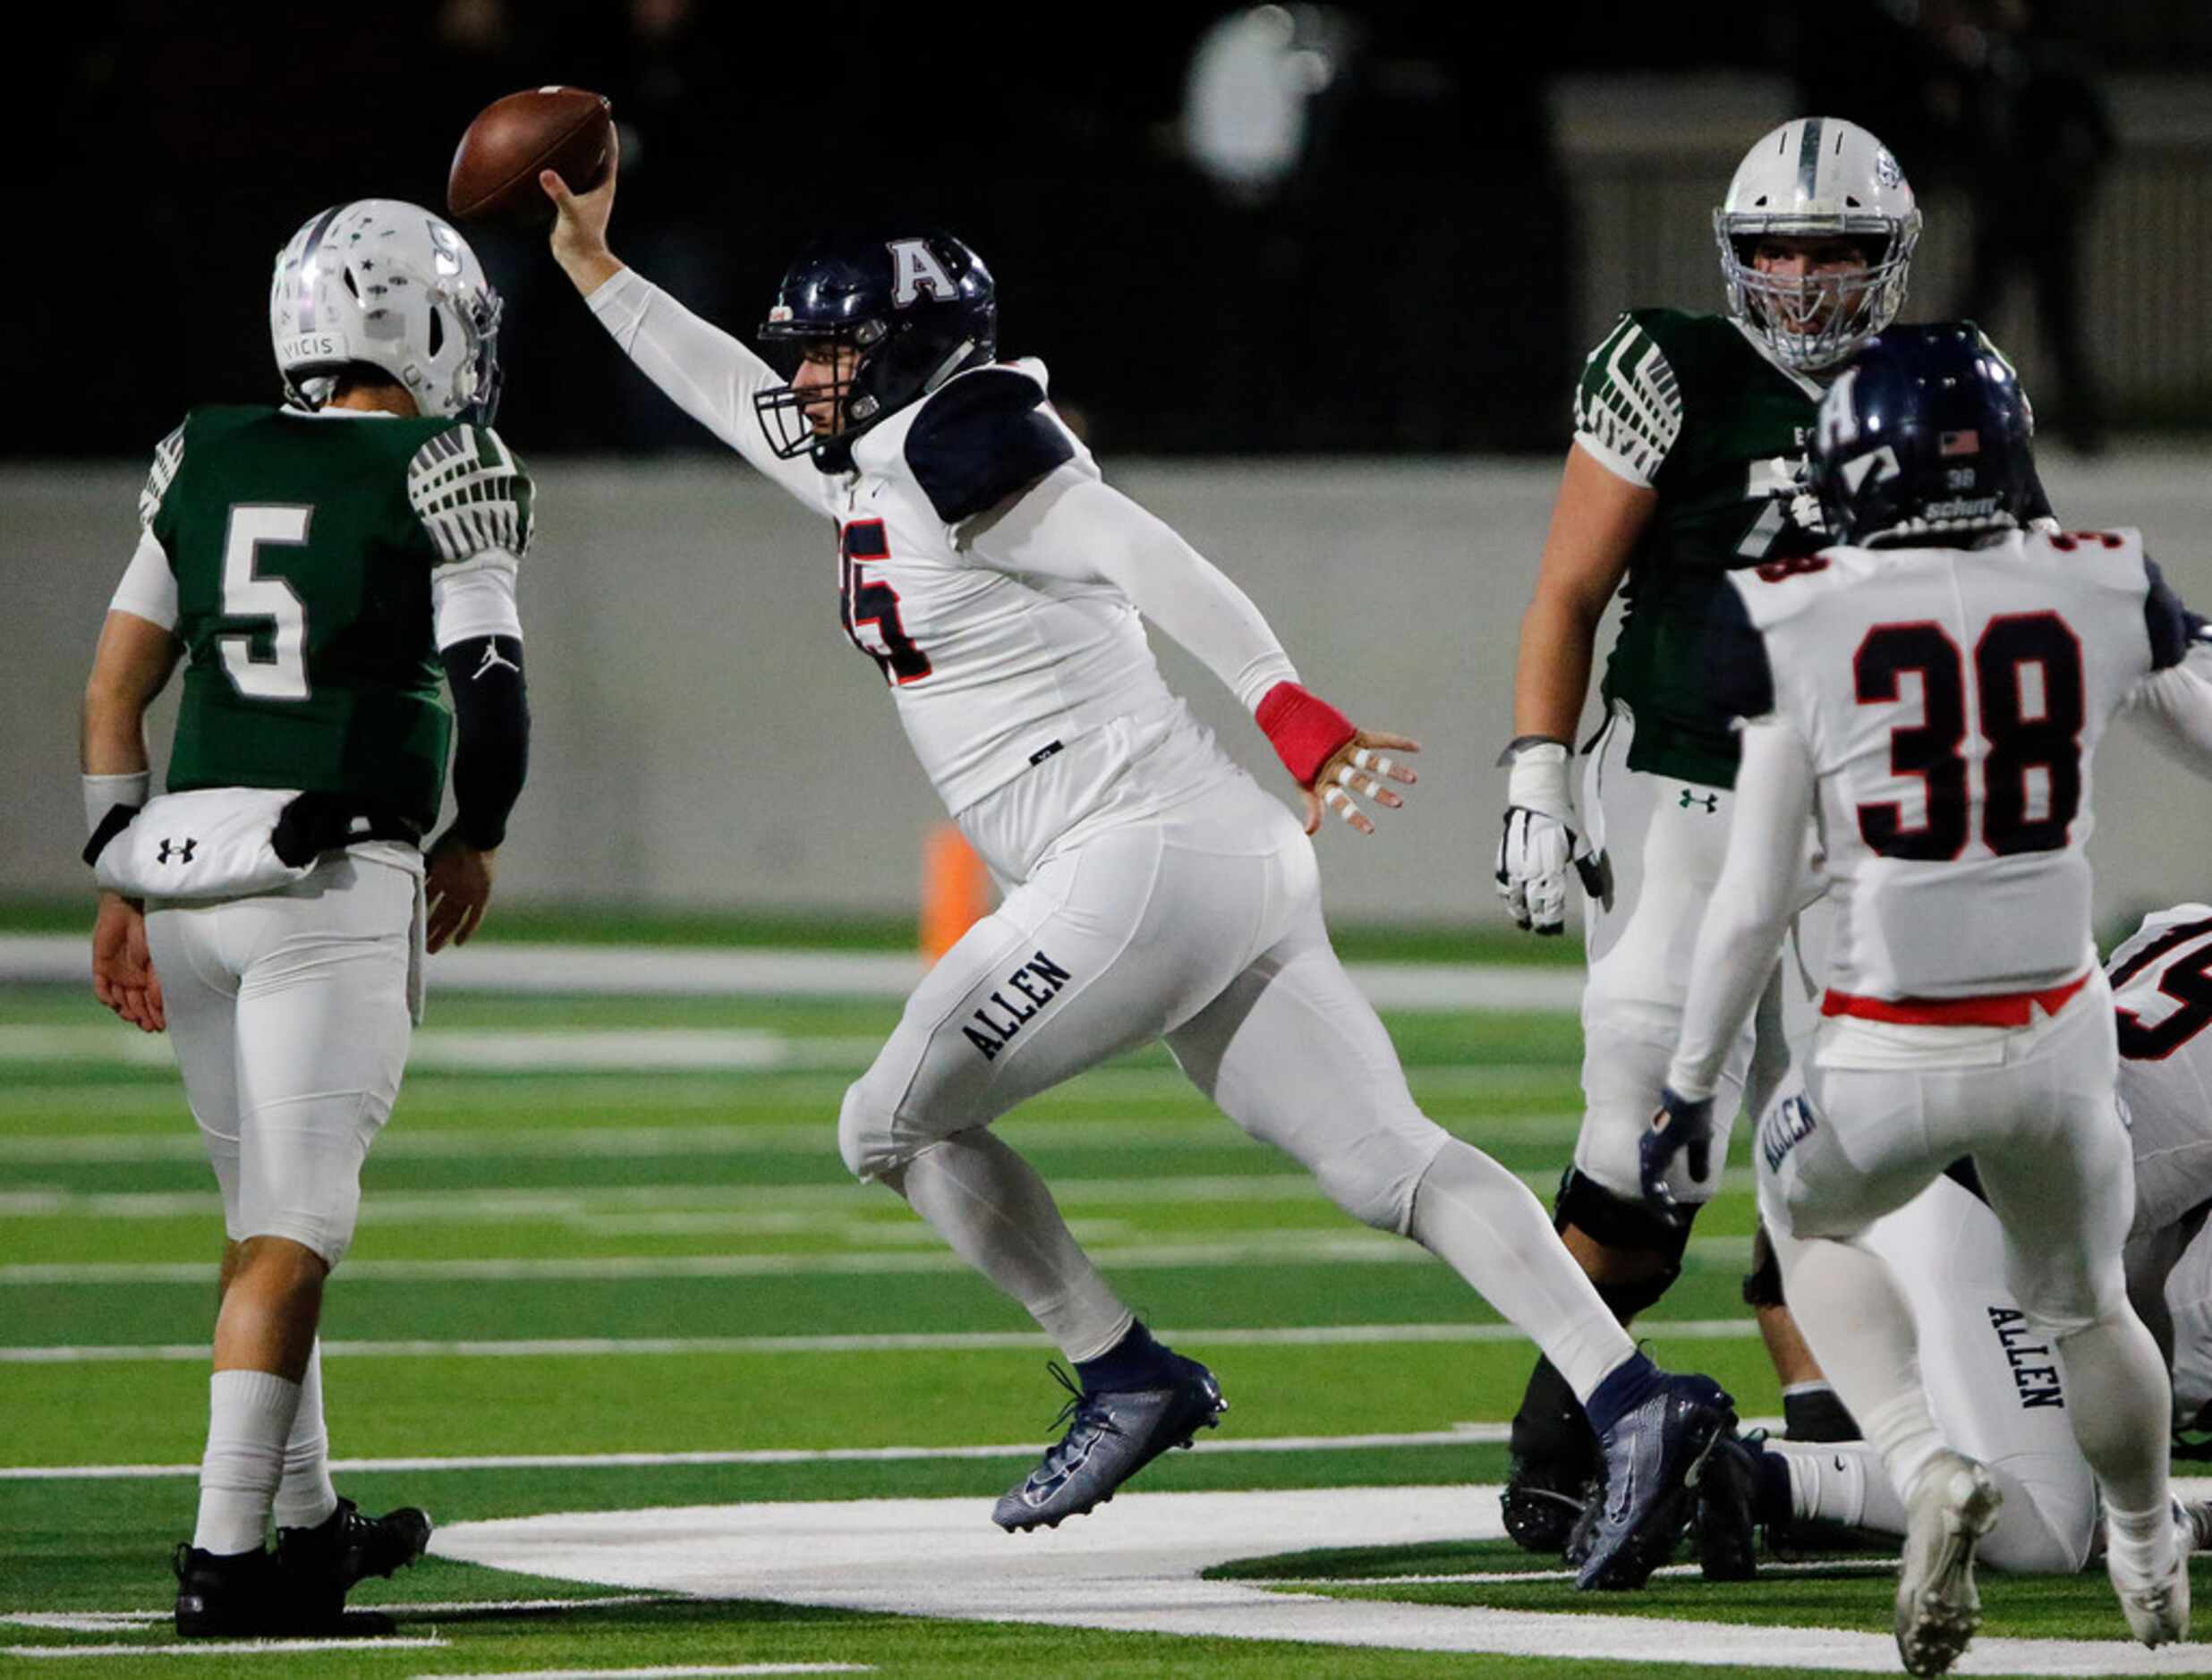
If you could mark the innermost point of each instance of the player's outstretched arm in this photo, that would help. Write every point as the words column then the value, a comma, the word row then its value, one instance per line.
column 1070, row 525
column 1596, row 521
column 710, row 375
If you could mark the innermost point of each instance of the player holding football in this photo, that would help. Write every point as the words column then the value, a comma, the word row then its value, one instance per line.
column 1691, row 433
column 311, row 564
column 1155, row 890
column 1934, row 695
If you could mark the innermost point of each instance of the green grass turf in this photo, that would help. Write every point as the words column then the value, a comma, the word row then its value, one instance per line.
column 98, row 1164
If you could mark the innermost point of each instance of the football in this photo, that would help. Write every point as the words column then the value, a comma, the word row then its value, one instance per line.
column 495, row 168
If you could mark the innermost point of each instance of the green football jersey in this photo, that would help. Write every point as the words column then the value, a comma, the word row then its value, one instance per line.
column 1684, row 404
column 303, row 547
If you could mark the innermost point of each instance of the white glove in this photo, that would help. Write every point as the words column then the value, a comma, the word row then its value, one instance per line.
column 1539, row 843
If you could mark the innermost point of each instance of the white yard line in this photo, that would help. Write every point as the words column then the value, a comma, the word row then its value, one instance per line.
column 119, row 1621
column 1458, row 1435
column 956, row 1341
column 815, row 1138
column 680, row 971
column 228, row 1648
column 652, row 1673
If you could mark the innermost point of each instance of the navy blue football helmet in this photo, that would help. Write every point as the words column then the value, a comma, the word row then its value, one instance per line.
column 914, row 312
column 1924, row 435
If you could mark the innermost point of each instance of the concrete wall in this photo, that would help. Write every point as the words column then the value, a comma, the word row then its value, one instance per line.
column 706, row 735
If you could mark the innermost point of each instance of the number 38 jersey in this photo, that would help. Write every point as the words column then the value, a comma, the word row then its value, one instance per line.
column 303, row 547
column 1951, row 701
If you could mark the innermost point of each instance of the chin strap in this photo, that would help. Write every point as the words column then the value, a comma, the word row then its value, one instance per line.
column 1304, row 729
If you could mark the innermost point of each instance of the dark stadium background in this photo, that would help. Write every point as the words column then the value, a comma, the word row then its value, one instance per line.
column 1413, row 268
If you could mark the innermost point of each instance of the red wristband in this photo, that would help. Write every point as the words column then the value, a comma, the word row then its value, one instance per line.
column 1305, row 730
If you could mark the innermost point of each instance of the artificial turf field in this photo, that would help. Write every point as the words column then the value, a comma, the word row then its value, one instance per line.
column 667, row 1262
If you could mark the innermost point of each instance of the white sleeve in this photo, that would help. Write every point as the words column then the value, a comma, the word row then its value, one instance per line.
column 2173, row 706
column 1749, row 910
column 149, row 586
column 1072, row 527
column 476, row 597
column 706, row 373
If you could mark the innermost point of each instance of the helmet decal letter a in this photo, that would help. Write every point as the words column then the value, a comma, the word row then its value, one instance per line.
column 916, row 269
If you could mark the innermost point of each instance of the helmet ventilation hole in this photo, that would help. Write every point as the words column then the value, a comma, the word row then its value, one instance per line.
column 347, row 275
column 437, row 330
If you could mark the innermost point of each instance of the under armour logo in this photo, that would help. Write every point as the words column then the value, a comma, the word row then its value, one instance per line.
column 1691, row 796
column 184, row 852
column 490, row 660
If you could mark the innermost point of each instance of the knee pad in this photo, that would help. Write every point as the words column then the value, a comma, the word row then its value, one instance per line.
column 864, row 1132
column 1375, row 1178
column 1615, row 1223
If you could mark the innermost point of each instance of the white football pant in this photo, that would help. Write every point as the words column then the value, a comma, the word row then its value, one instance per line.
column 1663, row 840
column 289, row 1012
column 1875, row 1114
column 1202, row 925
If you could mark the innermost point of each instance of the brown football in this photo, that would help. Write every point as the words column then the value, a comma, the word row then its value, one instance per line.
column 495, row 168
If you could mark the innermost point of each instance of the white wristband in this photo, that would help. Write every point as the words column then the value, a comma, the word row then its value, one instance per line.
column 103, row 794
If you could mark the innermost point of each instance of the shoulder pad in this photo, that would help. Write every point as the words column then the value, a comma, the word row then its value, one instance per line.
column 168, row 456
column 2173, row 628
column 1739, row 678
column 982, row 438
column 471, row 492
column 1628, row 403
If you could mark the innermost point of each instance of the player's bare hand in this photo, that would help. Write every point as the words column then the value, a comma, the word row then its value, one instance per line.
column 457, row 881
column 579, row 235
column 1362, row 769
column 123, row 969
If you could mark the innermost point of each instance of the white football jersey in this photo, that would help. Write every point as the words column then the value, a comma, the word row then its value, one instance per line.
column 991, row 672
column 2162, row 994
column 1951, row 701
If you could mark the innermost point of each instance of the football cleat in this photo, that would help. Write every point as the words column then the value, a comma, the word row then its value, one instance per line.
column 2157, row 1605
column 1651, row 1456
column 1953, row 1504
column 1554, row 1473
column 225, row 1595
column 1541, row 1516
column 1110, row 1437
column 1724, row 1520
column 317, row 1567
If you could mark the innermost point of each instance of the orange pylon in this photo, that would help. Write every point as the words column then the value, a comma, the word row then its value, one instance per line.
column 955, row 890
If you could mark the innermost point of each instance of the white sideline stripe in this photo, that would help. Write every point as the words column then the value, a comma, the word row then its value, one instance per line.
column 662, row 971
column 954, row 1341
column 228, row 1648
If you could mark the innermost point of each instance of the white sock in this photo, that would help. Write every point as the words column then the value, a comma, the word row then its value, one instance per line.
column 1841, row 1482
column 1903, row 1431
column 305, row 1497
column 1487, row 1226
column 250, row 1414
column 2120, row 1408
column 990, row 1206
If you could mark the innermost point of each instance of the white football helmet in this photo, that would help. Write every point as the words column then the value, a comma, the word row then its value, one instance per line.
column 388, row 283
column 1817, row 177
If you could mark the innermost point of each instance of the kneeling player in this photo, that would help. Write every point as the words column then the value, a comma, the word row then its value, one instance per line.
column 311, row 564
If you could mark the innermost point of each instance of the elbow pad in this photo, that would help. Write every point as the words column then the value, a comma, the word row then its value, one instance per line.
column 491, row 708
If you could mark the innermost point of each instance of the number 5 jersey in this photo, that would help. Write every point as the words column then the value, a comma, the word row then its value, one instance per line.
column 312, row 565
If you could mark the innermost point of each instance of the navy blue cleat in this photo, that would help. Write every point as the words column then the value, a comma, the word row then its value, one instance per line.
column 1110, row 1437
column 1654, row 1452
